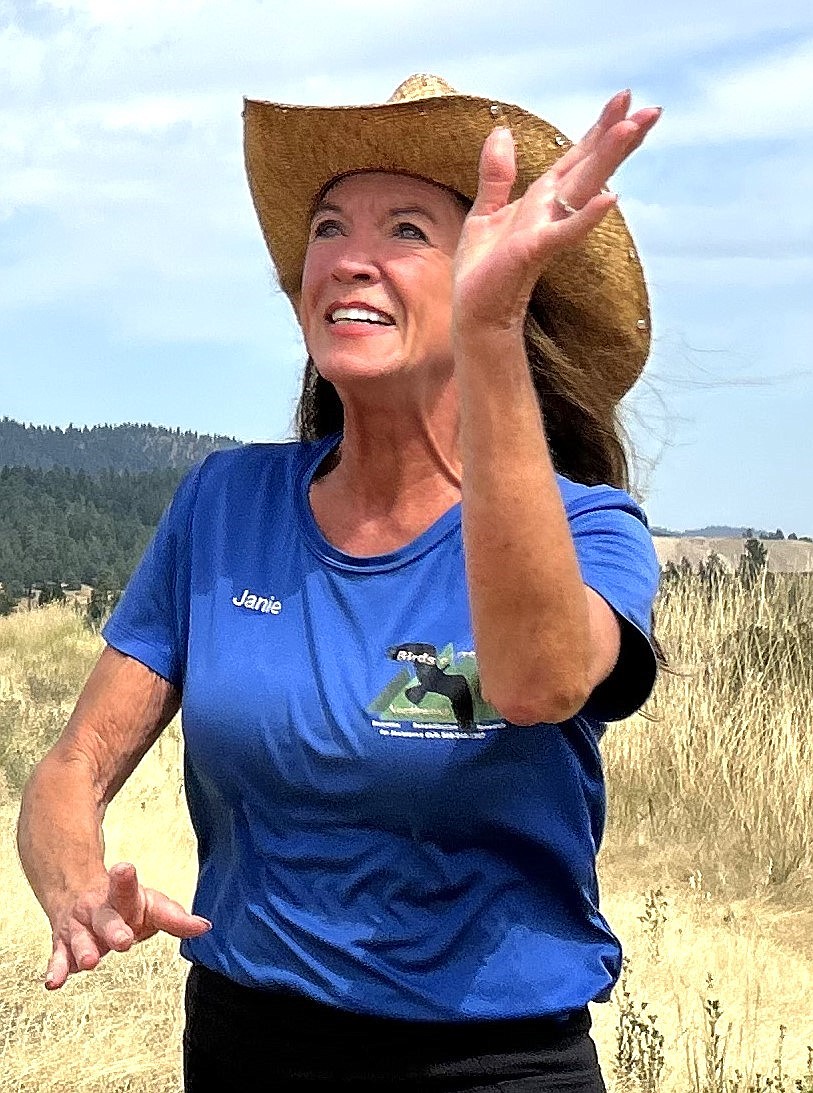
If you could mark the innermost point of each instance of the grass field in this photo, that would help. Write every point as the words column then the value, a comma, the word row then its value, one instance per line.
column 707, row 869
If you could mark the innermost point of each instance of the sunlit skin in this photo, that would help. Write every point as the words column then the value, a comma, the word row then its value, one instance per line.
column 423, row 397
column 387, row 241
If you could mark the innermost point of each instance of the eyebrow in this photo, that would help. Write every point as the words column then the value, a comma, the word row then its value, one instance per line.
column 410, row 210
column 324, row 207
column 406, row 210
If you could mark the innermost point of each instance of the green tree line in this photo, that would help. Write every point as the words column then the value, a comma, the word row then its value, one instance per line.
column 100, row 448
column 61, row 526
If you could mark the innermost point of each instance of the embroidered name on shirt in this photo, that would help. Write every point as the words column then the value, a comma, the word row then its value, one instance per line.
column 264, row 605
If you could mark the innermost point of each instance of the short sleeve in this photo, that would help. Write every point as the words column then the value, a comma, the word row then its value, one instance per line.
column 150, row 621
column 617, row 559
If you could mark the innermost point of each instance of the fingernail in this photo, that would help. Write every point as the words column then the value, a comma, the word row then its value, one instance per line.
column 49, row 980
column 206, row 920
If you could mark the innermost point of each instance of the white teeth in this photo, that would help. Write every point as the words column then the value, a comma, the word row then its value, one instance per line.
column 359, row 315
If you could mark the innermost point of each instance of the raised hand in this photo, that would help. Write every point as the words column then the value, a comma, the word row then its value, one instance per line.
column 505, row 247
column 113, row 916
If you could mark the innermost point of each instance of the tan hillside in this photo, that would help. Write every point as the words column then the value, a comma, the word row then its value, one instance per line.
column 784, row 555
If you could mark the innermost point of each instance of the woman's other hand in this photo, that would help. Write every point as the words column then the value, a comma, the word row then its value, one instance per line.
column 113, row 917
column 505, row 247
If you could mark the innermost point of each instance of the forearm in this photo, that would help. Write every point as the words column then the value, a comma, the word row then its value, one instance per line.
column 59, row 835
column 528, row 603
column 121, row 711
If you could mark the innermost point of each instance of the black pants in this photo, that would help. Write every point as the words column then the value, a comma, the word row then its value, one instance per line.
column 251, row 1041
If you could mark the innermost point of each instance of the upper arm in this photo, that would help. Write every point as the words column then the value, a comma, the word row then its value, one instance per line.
column 605, row 638
column 122, row 710
column 620, row 571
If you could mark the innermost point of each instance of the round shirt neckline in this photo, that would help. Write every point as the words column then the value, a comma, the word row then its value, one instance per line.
column 315, row 454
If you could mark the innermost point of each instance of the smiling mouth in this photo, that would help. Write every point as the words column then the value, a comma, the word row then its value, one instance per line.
column 373, row 317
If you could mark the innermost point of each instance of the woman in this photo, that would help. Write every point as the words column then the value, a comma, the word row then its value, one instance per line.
column 397, row 640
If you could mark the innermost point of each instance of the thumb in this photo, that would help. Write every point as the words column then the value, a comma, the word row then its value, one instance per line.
column 166, row 914
column 498, row 170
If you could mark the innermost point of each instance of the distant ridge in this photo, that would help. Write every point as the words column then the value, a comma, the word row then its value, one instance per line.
column 715, row 531
column 94, row 449
column 784, row 555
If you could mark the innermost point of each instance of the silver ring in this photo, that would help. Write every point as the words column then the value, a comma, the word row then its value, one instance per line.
column 563, row 205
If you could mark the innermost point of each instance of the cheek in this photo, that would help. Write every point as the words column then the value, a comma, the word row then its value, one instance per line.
column 306, row 303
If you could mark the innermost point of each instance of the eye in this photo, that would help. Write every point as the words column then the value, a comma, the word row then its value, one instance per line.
column 406, row 230
column 326, row 229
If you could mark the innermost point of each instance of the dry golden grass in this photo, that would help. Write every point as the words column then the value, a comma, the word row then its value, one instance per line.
column 726, row 766
column 706, row 869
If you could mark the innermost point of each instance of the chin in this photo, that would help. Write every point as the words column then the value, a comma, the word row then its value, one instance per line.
column 344, row 369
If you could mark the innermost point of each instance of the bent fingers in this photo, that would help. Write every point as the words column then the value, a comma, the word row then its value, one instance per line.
column 111, row 928
column 59, row 967
column 85, row 948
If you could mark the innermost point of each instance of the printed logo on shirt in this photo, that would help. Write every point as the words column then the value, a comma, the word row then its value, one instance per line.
column 263, row 605
column 436, row 694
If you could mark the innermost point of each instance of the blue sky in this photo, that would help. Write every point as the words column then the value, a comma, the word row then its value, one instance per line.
column 134, row 284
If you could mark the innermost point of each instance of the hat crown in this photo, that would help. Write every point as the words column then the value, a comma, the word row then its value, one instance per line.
column 421, row 86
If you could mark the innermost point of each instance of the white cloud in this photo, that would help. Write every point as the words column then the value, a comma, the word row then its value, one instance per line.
column 766, row 99
column 120, row 130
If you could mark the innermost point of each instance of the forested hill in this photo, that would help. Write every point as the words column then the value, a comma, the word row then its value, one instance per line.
column 104, row 447
column 70, row 528
column 78, row 506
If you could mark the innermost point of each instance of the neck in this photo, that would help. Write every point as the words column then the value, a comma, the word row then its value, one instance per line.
column 398, row 470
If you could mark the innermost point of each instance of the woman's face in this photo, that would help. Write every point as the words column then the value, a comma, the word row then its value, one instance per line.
column 376, row 295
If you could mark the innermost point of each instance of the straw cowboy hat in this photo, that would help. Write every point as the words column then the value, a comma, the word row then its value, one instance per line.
column 594, row 297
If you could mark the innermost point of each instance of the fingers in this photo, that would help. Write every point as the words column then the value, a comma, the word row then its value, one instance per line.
column 109, row 926
column 614, row 137
column 100, row 921
column 645, row 120
column 571, row 229
column 138, row 913
column 590, row 174
column 86, row 949
column 614, row 111
column 498, row 171
column 124, row 893
column 166, row 914
column 59, row 967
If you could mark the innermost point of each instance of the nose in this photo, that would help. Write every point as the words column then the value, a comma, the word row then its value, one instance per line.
column 356, row 265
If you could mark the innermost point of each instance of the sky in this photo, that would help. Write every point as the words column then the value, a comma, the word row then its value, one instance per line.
column 135, row 285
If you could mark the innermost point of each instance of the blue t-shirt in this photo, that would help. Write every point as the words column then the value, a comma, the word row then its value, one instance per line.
column 371, row 833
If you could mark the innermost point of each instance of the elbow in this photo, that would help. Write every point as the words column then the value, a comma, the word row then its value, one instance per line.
column 548, row 705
